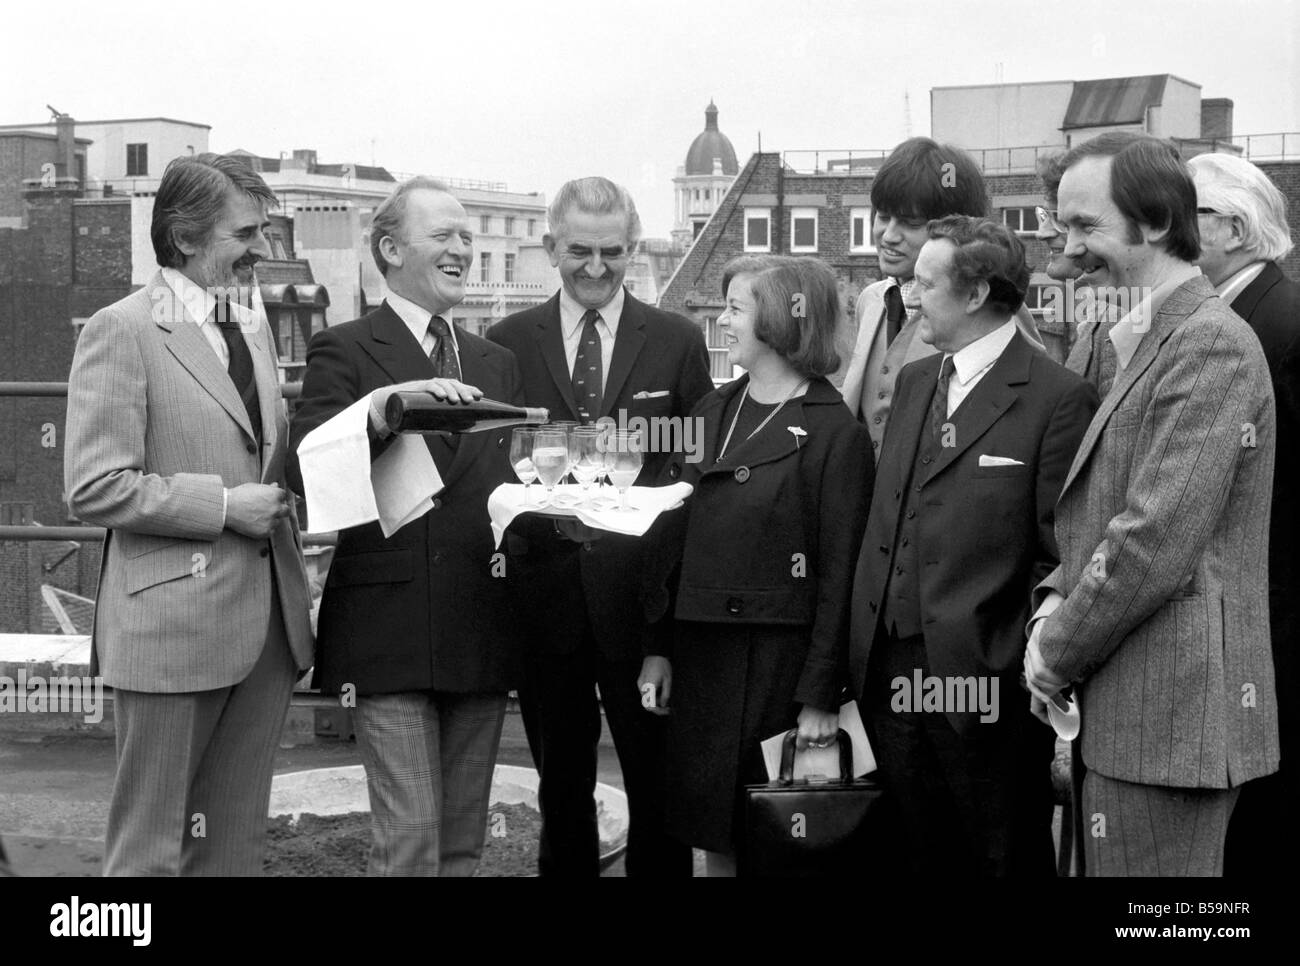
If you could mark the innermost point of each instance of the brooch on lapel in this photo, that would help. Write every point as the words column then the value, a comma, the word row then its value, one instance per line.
column 797, row 432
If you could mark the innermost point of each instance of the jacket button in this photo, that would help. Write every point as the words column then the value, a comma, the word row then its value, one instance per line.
column 587, row 546
column 437, row 503
column 264, row 552
column 437, row 558
column 875, row 443
column 898, row 571
column 674, row 471
column 742, row 474
column 875, row 419
column 910, row 514
column 883, row 395
column 501, row 441
column 734, row 605
column 898, row 494
column 925, row 459
column 251, row 447
column 884, row 549
column 884, row 370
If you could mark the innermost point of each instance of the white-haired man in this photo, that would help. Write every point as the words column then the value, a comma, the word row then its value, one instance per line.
column 1244, row 234
column 594, row 351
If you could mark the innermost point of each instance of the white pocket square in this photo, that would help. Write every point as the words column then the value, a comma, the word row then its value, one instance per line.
column 651, row 395
column 999, row 461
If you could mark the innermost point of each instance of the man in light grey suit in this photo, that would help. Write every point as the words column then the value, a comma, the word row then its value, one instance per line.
column 919, row 181
column 1158, row 611
column 176, row 442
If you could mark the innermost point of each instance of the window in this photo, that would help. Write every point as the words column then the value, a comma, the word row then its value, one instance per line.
column 510, row 267
column 484, row 224
column 485, row 267
column 860, row 231
column 719, row 361
column 137, row 160
column 1020, row 219
column 803, row 229
column 510, row 225
column 758, row 229
column 532, row 227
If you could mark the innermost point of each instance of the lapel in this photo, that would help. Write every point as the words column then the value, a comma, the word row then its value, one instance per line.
column 402, row 359
column 908, row 422
column 627, row 345
column 550, row 346
column 991, row 397
column 191, row 349
column 1244, row 304
column 1181, row 302
column 870, row 311
column 267, row 380
column 474, row 371
column 774, row 441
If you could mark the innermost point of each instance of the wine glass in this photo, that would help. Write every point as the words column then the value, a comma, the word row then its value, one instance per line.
column 625, row 455
column 550, row 459
column 586, row 457
column 521, row 456
column 566, row 426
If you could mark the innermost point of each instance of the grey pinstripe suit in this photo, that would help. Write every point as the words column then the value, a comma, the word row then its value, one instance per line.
column 185, row 607
column 1167, row 630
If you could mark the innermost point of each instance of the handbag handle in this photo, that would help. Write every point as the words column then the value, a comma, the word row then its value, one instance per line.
column 787, row 757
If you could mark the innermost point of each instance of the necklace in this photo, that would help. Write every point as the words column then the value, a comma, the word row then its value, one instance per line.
column 767, row 419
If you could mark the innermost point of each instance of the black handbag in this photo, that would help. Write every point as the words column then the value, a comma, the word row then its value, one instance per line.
column 810, row 828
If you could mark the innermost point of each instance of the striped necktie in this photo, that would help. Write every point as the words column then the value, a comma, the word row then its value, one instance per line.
column 240, row 366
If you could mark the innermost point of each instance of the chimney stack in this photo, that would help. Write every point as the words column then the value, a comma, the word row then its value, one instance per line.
column 1216, row 118
column 65, row 164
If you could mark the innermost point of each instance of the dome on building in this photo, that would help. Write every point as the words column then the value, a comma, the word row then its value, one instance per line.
column 711, row 144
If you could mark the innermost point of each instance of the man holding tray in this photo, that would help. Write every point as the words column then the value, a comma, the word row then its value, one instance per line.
column 595, row 351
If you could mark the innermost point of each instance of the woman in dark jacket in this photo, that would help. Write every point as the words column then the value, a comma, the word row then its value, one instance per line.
column 759, row 565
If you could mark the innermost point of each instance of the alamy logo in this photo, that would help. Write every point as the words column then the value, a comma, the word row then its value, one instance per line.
column 949, row 694
column 75, row 919
column 35, row 694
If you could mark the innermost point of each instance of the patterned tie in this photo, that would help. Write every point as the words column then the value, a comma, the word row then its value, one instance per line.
column 443, row 356
column 939, row 404
column 894, row 313
column 240, row 366
column 587, row 374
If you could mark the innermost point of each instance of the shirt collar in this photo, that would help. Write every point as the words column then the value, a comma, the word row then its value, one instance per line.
column 199, row 302
column 1127, row 334
column 970, row 361
column 417, row 318
column 1232, row 286
column 571, row 312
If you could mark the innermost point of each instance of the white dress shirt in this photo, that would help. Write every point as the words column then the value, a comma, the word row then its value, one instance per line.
column 571, row 314
column 417, row 320
column 198, row 304
column 971, row 363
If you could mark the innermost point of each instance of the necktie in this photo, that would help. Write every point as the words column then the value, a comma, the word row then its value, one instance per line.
column 240, row 365
column 939, row 404
column 443, row 356
column 894, row 313
column 587, row 374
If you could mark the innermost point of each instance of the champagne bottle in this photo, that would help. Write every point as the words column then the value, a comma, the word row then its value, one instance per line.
column 419, row 412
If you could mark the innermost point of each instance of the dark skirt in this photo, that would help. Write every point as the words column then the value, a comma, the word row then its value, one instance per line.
column 733, row 686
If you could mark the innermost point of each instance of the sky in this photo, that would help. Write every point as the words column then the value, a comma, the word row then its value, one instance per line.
column 532, row 93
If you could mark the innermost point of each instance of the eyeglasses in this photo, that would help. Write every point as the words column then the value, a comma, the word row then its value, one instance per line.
column 1047, row 219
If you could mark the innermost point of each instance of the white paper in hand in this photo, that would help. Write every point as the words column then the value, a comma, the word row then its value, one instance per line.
column 344, row 490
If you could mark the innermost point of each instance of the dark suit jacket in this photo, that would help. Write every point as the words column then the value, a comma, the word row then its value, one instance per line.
column 566, row 584
column 1271, row 307
column 422, row 609
column 986, row 532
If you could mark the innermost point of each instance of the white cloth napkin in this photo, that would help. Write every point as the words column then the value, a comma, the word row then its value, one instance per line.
column 344, row 490
column 507, row 501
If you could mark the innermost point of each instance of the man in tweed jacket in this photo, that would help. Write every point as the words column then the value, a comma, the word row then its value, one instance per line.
column 1158, row 612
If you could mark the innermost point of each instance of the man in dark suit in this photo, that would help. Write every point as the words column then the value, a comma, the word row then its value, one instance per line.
column 960, row 530
column 581, row 594
column 1242, row 221
column 417, row 628
column 1158, row 612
